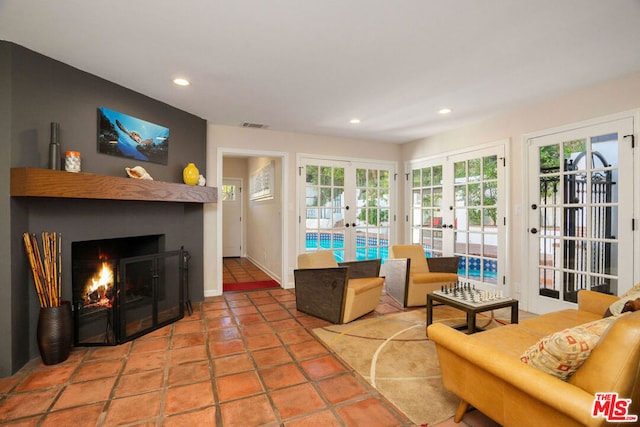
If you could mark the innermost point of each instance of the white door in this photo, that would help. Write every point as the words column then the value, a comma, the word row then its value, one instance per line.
column 580, row 221
column 231, row 217
column 346, row 207
column 458, row 208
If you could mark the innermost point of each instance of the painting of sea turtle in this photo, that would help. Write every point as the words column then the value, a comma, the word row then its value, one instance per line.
column 125, row 136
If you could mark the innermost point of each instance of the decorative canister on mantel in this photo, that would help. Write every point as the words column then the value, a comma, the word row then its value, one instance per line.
column 54, row 147
column 72, row 161
column 190, row 174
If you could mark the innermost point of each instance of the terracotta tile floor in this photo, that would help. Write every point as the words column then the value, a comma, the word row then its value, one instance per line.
column 242, row 359
column 240, row 270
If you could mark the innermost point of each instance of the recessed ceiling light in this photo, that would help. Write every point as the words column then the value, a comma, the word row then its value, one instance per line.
column 354, row 121
column 181, row 82
column 444, row 110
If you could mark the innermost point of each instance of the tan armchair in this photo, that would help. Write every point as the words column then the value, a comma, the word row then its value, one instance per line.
column 423, row 275
column 336, row 292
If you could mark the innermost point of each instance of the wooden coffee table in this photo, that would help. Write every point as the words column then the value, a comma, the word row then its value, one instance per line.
column 470, row 308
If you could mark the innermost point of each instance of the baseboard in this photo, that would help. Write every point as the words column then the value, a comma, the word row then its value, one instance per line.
column 265, row 269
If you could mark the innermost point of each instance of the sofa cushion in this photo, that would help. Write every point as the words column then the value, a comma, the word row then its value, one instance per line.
column 613, row 364
column 562, row 353
column 510, row 340
column 559, row 320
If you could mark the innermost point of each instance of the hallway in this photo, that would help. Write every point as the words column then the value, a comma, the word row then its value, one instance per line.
column 240, row 270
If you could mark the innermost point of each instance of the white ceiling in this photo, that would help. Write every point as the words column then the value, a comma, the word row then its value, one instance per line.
column 312, row 65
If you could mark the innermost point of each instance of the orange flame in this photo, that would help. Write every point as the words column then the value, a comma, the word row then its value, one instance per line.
column 103, row 278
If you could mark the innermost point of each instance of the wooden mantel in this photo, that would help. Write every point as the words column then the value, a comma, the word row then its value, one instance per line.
column 35, row 182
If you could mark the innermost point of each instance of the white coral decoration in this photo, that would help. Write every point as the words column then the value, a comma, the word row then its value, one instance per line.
column 201, row 181
column 138, row 172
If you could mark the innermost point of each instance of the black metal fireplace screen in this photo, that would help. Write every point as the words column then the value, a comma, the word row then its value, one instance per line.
column 119, row 299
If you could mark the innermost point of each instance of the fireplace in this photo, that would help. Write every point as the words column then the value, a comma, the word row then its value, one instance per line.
column 125, row 287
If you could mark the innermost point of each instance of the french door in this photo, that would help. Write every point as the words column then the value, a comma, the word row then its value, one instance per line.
column 580, row 213
column 458, row 208
column 346, row 207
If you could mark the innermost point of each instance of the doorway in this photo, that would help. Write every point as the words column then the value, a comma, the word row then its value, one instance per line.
column 581, row 204
column 232, row 217
column 346, row 207
column 457, row 207
column 262, row 221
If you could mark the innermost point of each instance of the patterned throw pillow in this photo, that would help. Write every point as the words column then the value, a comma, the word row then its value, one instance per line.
column 631, row 294
column 562, row 353
column 634, row 290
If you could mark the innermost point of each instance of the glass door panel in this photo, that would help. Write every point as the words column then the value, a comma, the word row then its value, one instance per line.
column 457, row 209
column 348, row 208
column 325, row 209
column 427, row 209
column 577, row 211
column 372, row 218
column 476, row 217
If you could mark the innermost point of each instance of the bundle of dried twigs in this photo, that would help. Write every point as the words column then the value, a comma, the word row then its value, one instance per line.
column 46, row 267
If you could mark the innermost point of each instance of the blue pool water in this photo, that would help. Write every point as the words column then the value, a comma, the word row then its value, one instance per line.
column 363, row 252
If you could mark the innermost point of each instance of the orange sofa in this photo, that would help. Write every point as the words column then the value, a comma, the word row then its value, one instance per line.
column 485, row 370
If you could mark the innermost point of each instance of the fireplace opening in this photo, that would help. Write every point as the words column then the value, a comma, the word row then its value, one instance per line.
column 125, row 287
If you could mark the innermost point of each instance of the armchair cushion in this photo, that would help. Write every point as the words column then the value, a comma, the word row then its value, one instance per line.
column 365, row 284
column 413, row 252
column 320, row 259
column 420, row 279
column 433, row 277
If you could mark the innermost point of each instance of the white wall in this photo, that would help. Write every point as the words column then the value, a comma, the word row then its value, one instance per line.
column 598, row 101
column 286, row 146
column 236, row 167
column 611, row 97
column 264, row 223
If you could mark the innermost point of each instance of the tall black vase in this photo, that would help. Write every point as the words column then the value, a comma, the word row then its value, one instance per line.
column 54, row 333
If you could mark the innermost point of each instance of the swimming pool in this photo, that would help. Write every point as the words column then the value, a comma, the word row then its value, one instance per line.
column 366, row 247
column 372, row 248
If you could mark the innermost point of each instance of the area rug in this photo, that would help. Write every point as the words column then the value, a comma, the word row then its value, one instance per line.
column 393, row 354
column 249, row 286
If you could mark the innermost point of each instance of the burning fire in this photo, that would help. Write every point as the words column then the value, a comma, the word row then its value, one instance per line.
column 100, row 290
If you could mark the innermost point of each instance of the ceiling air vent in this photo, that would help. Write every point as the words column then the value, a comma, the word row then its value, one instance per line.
column 253, row 125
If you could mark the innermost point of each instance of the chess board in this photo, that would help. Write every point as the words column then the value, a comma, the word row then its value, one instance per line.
column 468, row 294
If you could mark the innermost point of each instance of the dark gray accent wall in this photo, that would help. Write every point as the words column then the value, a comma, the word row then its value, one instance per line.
column 6, row 295
column 45, row 91
column 40, row 91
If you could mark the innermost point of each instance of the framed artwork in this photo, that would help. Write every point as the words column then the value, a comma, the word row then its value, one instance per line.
column 125, row 136
column 262, row 182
